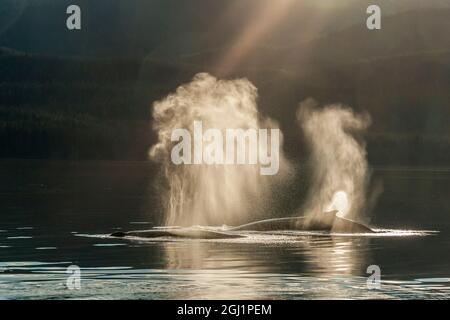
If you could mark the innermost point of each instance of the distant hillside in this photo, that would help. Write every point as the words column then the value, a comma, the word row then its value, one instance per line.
column 87, row 108
column 135, row 27
column 76, row 108
column 402, row 34
column 400, row 75
column 405, row 33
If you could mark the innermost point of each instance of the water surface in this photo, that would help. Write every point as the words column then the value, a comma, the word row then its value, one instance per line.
column 56, row 214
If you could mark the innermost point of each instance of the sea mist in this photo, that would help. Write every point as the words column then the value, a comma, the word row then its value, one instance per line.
column 338, row 157
column 213, row 194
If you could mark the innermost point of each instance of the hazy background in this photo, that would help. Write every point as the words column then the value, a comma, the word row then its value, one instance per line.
column 87, row 94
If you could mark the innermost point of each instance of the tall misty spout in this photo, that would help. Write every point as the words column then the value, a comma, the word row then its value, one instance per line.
column 212, row 187
column 340, row 169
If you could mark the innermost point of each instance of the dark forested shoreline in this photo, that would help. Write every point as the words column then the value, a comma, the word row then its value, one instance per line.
column 73, row 108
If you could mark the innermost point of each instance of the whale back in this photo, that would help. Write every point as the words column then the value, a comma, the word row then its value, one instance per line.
column 192, row 233
column 291, row 223
column 328, row 222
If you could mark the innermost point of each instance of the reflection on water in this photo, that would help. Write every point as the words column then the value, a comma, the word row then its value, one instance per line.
column 48, row 211
column 224, row 270
column 313, row 267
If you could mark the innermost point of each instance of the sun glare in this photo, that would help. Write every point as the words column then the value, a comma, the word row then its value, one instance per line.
column 339, row 203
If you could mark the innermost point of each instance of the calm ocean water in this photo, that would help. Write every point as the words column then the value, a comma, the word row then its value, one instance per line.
column 55, row 214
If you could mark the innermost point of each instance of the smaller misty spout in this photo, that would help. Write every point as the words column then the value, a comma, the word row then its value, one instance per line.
column 339, row 159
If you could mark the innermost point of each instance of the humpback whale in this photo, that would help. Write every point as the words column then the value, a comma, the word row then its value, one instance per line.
column 328, row 221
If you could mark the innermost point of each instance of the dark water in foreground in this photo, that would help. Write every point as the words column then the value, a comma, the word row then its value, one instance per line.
column 48, row 208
